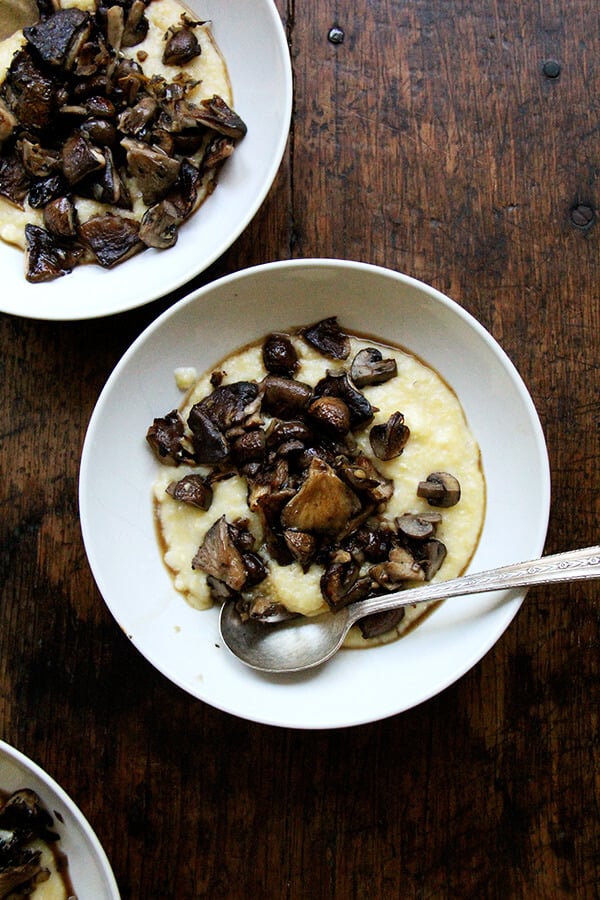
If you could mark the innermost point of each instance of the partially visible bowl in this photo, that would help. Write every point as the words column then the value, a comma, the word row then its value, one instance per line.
column 89, row 869
column 117, row 470
column 252, row 40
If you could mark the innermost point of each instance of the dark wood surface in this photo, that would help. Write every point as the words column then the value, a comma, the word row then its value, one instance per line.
column 431, row 140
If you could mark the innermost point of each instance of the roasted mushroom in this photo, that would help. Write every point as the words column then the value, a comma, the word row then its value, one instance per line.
column 323, row 504
column 46, row 257
column 389, row 439
column 440, row 489
column 279, row 354
column 369, row 367
column 182, row 44
column 166, row 438
column 111, row 238
column 192, row 489
column 328, row 338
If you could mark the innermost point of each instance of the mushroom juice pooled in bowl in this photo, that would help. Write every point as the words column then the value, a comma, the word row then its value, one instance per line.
column 115, row 120
column 312, row 469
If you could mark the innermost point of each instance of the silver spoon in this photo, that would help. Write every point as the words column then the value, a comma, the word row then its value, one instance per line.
column 304, row 642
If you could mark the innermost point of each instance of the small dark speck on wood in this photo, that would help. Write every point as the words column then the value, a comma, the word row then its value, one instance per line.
column 582, row 215
column 336, row 35
column 551, row 68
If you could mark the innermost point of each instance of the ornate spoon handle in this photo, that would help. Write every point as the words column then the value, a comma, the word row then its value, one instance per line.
column 573, row 565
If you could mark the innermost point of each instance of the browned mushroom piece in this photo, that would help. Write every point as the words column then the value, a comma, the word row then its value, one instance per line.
column 46, row 256
column 341, row 583
column 217, row 150
column 215, row 114
column 38, row 161
column 218, row 556
column 23, row 819
column 60, row 217
column 44, row 190
column 229, row 404
column 399, row 567
column 323, row 504
column 192, row 489
column 166, row 438
column 337, row 384
column 136, row 25
column 431, row 554
column 285, row 398
column 327, row 337
column 440, row 489
column 279, row 355
column 369, row 367
column 181, row 44
column 210, row 445
column 262, row 609
column 111, row 238
column 159, row 227
column 331, row 414
column 29, row 93
column 79, row 158
column 302, row 546
column 389, row 439
column 134, row 119
column 154, row 171
column 14, row 180
column 418, row 527
column 380, row 623
column 53, row 38
column 107, row 186
column 364, row 478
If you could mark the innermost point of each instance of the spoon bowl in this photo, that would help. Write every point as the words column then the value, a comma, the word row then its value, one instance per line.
column 301, row 643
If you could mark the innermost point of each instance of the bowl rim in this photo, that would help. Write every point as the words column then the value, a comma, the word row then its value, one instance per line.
column 90, row 836
column 538, row 535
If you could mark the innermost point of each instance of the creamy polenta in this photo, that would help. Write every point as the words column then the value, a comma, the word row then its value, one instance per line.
column 129, row 156
column 440, row 440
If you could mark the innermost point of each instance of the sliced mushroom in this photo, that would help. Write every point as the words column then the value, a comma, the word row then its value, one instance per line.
column 30, row 94
column 249, row 447
column 341, row 584
column 214, row 113
column 229, row 404
column 327, row 337
column 388, row 440
column 218, row 556
column 400, row 566
column 192, row 489
column 80, row 158
column 111, row 238
column 417, row 527
column 154, row 171
column 217, row 150
column 302, row 546
column 380, row 623
column 134, row 119
column 14, row 180
column 323, row 504
column 43, row 190
column 363, row 477
column 279, row 355
column 136, row 25
column 166, row 438
column 440, row 489
column 60, row 217
column 37, row 160
column 46, row 257
column 210, row 446
column 432, row 554
column 369, row 367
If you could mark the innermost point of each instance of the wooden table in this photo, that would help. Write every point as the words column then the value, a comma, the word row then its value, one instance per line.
column 457, row 142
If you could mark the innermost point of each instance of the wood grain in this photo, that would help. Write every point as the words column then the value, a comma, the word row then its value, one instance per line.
column 431, row 141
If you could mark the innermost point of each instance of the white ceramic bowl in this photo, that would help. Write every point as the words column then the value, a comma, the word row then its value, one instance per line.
column 117, row 470
column 252, row 40
column 89, row 868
